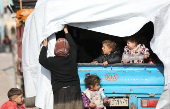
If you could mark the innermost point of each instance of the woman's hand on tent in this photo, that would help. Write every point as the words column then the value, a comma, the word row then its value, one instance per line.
column 45, row 42
column 65, row 29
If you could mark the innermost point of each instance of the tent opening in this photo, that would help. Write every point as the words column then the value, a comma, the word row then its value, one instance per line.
column 89, row 42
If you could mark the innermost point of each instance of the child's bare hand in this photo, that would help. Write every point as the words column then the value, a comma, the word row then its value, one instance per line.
column 65, row 29
column 45, row 42
column 92, row 105
column 124, row 62
column 145, row 56
column 94, row 62
column 105, row 101
column 105, row 63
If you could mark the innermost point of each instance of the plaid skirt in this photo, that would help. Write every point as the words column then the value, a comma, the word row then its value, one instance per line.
column 68, row 98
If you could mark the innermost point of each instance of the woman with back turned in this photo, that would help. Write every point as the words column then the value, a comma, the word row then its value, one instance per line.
column 64, row 77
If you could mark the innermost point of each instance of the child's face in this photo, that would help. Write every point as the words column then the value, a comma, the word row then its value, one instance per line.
column 19, row 99
column 106, row 49
column 96, row 87
column 131, row 45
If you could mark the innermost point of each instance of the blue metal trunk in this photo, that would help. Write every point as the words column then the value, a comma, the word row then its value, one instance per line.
column 127, row 81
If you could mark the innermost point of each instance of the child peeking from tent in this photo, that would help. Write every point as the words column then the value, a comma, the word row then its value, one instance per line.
column 134, row 52
column 110, row 54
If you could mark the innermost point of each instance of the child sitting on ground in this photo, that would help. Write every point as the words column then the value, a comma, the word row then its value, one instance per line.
column 15, row 96
column 134, row 52
column 110, row 54
column 93, row 96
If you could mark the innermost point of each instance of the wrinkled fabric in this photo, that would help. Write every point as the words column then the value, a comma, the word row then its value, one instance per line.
column 114, row 17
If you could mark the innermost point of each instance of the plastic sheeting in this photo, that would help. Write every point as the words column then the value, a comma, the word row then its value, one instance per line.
column 115, row 17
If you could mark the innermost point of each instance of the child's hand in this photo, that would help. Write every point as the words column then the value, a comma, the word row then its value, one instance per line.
column 105, row 63
column 124, row 62
column 45, row 42
column 92, row 105
column 94, row 62
column 105, row 101
column 145, row 56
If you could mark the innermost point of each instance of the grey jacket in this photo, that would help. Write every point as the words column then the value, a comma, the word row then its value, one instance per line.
column 114, row 57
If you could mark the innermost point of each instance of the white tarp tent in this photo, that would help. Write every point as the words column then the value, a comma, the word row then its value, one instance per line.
column 114, row 17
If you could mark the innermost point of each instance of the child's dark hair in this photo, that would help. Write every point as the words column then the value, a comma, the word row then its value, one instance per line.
column 132, row 39
column 110, row 44
column 91, row 80
column 14, row 91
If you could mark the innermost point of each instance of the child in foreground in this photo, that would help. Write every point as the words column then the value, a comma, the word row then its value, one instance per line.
column 110, row 55
column 15, row 96
column 93, row 96
column 134, row 52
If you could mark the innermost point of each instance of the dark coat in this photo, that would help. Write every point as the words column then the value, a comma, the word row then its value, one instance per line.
column 113, row 57
column 63, row 69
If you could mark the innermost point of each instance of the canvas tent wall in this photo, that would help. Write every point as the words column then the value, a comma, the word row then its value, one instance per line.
column 120, row 18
